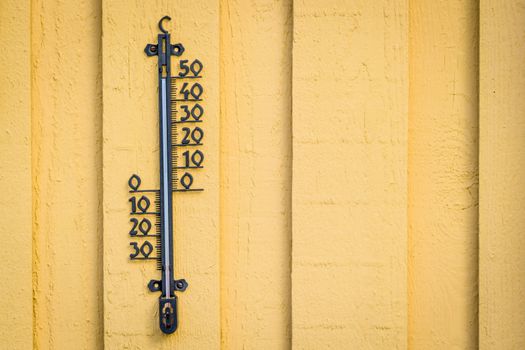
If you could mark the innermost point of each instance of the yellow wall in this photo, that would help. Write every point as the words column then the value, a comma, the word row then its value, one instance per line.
column 345, row 141
column 66, row 133
column 443, row 175
column 502, row 186
column 349, row 195
column 255, row 173
column 16, row 323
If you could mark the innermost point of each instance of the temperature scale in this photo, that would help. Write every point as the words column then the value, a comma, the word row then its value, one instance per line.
column 180, row 107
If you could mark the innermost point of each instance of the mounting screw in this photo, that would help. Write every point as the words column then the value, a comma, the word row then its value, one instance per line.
column 151, row 50
column 177, row 49
column 154, row 286
column 180, row 285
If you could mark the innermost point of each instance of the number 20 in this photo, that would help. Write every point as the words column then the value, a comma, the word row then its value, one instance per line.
column 196, row 135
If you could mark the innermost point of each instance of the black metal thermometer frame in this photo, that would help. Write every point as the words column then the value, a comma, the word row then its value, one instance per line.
column 164, row 50
column 190, row 96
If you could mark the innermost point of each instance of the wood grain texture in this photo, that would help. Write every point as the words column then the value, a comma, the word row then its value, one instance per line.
column 377, row 104
column 443, row 175
column 502, row 184
column 66, row 163
column 16, row 323
column 350, row 94
column 255, row 173
column 131, row 146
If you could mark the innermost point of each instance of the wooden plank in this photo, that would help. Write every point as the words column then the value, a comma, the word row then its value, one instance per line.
column 502, row 183
column 349, row 197
column 131, row 146
column 443, row 174
column 16, row 302
column 255, row 174
column 66, row 163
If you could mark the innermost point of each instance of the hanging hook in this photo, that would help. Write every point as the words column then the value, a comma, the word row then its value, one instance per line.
column 168, row 18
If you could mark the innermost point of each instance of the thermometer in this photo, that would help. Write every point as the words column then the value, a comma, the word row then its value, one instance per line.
column 180, row 137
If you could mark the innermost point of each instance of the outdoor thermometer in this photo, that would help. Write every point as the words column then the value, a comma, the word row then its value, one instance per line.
column 181, row 111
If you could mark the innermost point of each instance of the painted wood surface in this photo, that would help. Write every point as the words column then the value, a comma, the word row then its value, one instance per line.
column 443, row 175
column 66, row 132
column 502, row 184
column 349, row 197
column 341, row 202
column 16, row 303
column 256, row 39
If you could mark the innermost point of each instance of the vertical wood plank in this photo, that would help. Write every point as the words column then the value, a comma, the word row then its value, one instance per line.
column 443, row 175
column 16, row 324
column 131, row 146
column 349, row 199
column 502, row 180
column 255, row 173
column 66, row 163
